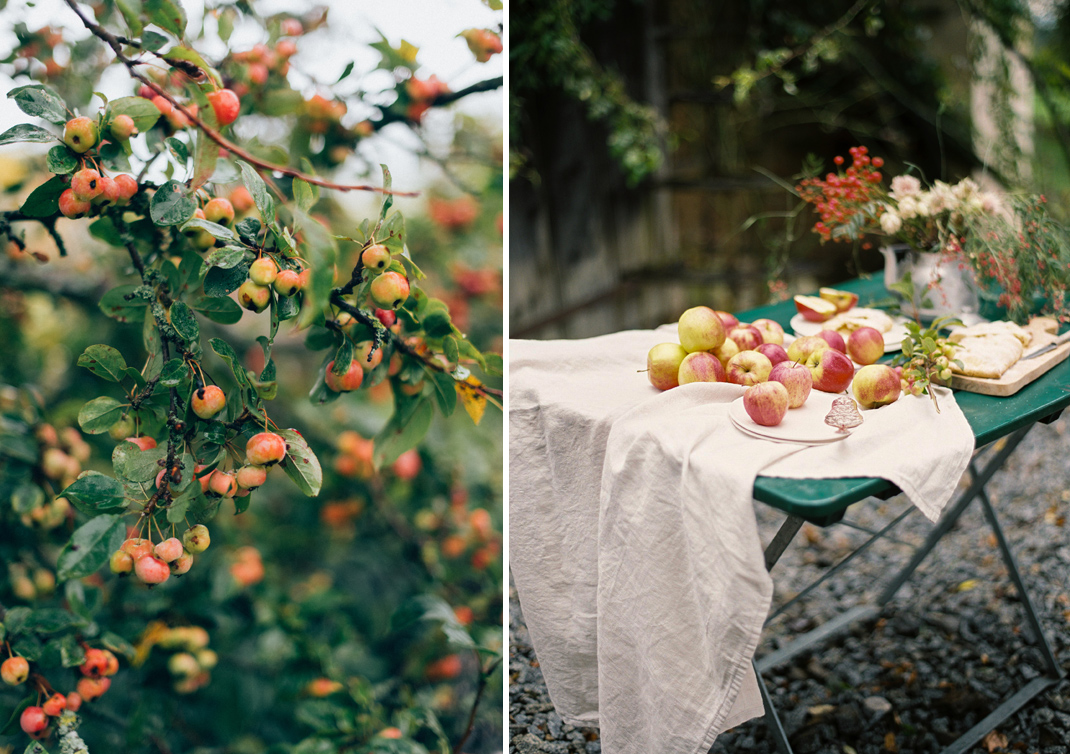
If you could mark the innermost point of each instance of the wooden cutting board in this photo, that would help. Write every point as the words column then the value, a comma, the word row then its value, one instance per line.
column 1023, row 371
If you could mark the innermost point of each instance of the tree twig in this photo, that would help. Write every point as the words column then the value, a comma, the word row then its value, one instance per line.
column 484, row 676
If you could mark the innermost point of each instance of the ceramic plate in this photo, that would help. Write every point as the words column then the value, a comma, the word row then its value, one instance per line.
column 893, row 339
column 805, row 425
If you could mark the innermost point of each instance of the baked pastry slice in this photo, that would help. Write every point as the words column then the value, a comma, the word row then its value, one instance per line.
column 987, row 356
column 849, row 321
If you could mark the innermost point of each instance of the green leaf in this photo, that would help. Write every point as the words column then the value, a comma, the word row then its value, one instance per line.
column 103, row 361
column 301, row 464
column 218, row 231
column 429, row 607
column 388, row 199
column 451, row 350
column 437, row 323
column 97, row 416
column 343, row 357
column 49, row 620
column 93, row 492
column 136, row 464
column 248, row 230
column 303, row 194
column 26, row 497
column 229, row 355
column 169, row 15
column 12, row 725
column 223, row 310
column 63, row 651
column 345, row 73
column 222, row 282
column 131, row 10
column 15, row 619
column 320, row 338
column 44, row 200
column 403, row 431
column 104, row 229
column 205, row 151
column 170, row 205
column 26, row 132
column 178, row 149
column 150, row 40
column 90, row 547
column 113, row 157
column 391, row 233
column 495, row 366
column 115, row 304
column 41, row 102
column 192, row 56
column 445, row 393
column 61, row 160
column 141, row 111
column 259, row 190
column 173, row 373
column 185, row 322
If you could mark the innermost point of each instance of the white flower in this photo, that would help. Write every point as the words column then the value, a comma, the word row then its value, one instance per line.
column 908, row 208
column 965, row 190
column 941, row 197
column 924, row 204
column 891, row 222
column 904, row 186
column 991, row 203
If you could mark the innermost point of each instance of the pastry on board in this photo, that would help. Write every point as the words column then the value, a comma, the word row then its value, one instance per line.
column 852, row 319
column 989, row 349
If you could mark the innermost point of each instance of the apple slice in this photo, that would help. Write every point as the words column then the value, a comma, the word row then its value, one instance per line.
column 842, row 300
column 814, row 309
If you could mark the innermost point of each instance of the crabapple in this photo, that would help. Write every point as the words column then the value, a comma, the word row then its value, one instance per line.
column 127, row 187
column 86, row 184
column 71, row 206
column 263, row 271
column 74, row 701
column 363, row 351
column 121, row 562
column 163, row 105
column 226, row 105
column 136, row 548
column 182, row 564
column 169, row 550
column 219, row 210
column 291, row 27
column 196, row 539
column 54, row 463
column 407, row 465
column 202, row 478
column 33, row 720
column 222, row 484
column 390, row 290
column 123, row 428
column 251, row 477
column 287, row 282
column 253, row 296
column 80, row 134
column 265, row 449
column 183, row 663
column 286, row 48
column 55, row 705
column 207, row 659
column 241, row 199
column 122, row 127
column 143, row 442
column 110, row 194
column 387, row 316
column 343, row 383
column 376, row 258
column 208, row 401
column 15, row 670
column 92, row 688
column 151, row 570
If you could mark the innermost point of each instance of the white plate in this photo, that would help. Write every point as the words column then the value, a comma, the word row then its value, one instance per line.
column 893, row 339
column 805, row 425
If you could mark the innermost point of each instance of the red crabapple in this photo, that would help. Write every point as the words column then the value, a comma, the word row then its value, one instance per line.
column 137, row 548
column 182, row 564
column 288, row 282
column 163, row 105
column 92, row 688
column 226, row 105
column 151, row 570
column 407, row 465
column 110, row 193
column 196, row 539
column 208, row 401
column 71, row 206
column 15, row 670
column 143, row 442
column 121, row 562
column 251, row 477
column 80, row 134
column 253, row 296
column 376, row 258
column 86, row 184
column 202, row 478
column 55, row 705
column 127, row 187
column 222, row 484
column 122, row 127
column 169, row 550
column 220, row 211
column 343, row 383
column 265, row 449
column 263, row 271
column 363, row 351
column 96, row 662
column 33, row 720
column 387, row 316
column 390, row 290
column 74, row 701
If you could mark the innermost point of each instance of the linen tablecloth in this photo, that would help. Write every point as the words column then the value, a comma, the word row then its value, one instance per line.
column 633, row 541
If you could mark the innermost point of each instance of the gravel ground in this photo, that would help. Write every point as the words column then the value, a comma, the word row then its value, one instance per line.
column 943, row 654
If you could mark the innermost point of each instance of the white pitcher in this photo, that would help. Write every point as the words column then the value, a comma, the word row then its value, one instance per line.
column 949, row 285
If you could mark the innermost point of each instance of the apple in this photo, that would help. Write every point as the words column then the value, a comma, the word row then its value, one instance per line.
column 766, row 403
column 700, row 329
column 865, row 345
column 842, row 300
column 814, row 309
column 701, row 366
column 834, row 339
column 728, row 319
column 770, row 331
column 748, row 368
column 663, row 365
column 832, row 371
column 801, row 348
column 876, row 385
column 726, row 351
column 796, row 378
column 746, row 337
column 775, row 353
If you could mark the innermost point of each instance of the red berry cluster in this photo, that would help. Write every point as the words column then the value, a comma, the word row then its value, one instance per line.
column 841, row 196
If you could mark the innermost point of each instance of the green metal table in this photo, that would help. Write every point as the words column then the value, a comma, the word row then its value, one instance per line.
column 999, row 425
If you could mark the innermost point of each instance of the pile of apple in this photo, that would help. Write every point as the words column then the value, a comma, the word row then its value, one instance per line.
column 716, row 347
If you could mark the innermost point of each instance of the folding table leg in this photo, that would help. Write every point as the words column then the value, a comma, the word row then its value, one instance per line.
column 772, row 720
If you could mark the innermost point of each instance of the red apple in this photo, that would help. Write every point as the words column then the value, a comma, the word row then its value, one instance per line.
column 663, row 365
column 748, row 368
column 796, row 378
column 701, row 366
column 746, row 337
column 728, row 319
column 726, row 351
column 801, row 348
column 770, row 331
column 766, row 403
column 876, row 385
column 834, row 339
column 842, row 300
column 814, row 309
column 700, row 329
column 832, row 371
column 865, row 345
column 775, row 353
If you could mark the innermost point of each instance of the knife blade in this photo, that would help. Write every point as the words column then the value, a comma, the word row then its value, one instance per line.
column 1049, row 347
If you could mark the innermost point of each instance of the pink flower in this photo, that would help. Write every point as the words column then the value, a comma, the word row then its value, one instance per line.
column 905, row 185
